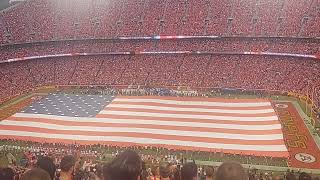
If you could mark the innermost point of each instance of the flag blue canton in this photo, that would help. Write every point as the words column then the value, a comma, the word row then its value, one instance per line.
column 70, row 105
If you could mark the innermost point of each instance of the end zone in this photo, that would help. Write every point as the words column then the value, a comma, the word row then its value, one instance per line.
column 303, row 150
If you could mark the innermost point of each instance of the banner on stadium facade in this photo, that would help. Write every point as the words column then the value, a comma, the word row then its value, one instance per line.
column 157, row 52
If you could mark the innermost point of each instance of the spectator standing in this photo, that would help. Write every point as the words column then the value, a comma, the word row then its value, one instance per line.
column 209, row 171
column 165, row 171
column 67, row 166
column 47, row 164
column 231, row 171
column 126, row 166
column 189, row 171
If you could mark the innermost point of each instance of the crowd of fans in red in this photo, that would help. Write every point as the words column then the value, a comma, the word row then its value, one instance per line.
column 212, row 71
column 75, row 19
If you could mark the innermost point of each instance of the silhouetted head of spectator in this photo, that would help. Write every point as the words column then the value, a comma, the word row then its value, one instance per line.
column 36, row 174
column 67, row 166
column 189, row 171
column 7, row 174
column 290, row 176
column 209, row 171
column 278, row 178
column 126, row 166
column 231, row 171
column 304, row 176
column 165, row 171
column 67, row 163
column 47, row 164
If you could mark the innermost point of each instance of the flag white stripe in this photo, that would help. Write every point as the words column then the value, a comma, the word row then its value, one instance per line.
column 238, row 147
column 144, row 130
column 151, row 122
column 188, row 116
column 197, row 103
column 128, row 106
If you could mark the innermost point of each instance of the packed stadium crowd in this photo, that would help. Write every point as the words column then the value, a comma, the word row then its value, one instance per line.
column 21, row 160
column 87, row 19
column 73, row 26
column 194, row 71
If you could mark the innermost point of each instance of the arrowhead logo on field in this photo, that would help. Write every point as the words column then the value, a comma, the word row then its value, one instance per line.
column 305, row 158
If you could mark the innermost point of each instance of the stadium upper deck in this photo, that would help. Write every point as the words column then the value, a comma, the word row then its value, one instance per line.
column 38, row 20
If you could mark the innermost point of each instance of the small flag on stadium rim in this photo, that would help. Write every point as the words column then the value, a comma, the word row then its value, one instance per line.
column 239, row 126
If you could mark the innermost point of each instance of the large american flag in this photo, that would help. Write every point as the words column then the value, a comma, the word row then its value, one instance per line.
column 240, row 126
